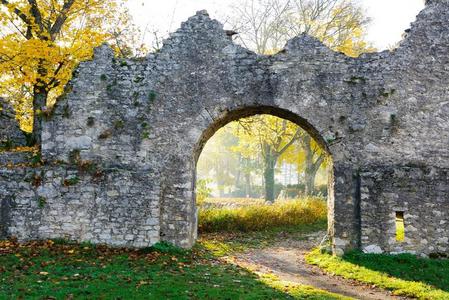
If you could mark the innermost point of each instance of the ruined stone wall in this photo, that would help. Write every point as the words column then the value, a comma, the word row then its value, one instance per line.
column 144, row 122
column 420, row 193
column 10, row 133
column 101, row 206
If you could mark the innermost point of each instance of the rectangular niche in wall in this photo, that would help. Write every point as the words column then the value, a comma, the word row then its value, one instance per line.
column 400, row 228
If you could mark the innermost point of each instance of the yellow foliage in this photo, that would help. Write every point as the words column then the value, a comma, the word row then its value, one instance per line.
column 297, row 153
column 261, row 133
column 41, row 42
column 279, row 136
column 345, row 32
column 342, row 28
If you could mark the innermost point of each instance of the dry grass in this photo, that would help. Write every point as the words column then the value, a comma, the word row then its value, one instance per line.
column 231, row 202
column 262, row 216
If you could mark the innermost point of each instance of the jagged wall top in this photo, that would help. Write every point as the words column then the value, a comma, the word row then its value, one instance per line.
column 10, row 133
column 131, row 130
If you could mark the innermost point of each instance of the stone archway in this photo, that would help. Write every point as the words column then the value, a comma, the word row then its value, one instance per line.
column 243, row 112
column 382, row 116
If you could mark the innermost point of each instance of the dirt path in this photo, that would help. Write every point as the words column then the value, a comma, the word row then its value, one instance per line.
column 286, row 260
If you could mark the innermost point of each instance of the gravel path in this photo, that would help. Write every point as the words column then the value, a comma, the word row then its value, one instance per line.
column 286, row 260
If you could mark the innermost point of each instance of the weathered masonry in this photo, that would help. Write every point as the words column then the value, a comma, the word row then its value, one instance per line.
column 120, row 149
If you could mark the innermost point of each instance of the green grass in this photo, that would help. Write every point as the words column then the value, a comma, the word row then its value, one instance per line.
column 259, row 217
column 62, row 270
column 299, row 291
column 405, row 274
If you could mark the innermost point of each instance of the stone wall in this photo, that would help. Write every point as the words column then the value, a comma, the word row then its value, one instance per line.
column 420, row 193
column 101, row 206
column 10, row 133
column 144, row 123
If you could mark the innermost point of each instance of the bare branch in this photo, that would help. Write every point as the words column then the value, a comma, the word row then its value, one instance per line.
column 18, row 12
column 36, row 15
column 24, row 34
column 60, row 20
column 294, row 138
column 265, row 25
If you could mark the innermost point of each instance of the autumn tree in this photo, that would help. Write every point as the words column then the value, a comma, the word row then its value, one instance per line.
column 248, row 168
column 41, row 42
column 269, row 137
column 308, row 157
column 218, row 161
column 266, row 25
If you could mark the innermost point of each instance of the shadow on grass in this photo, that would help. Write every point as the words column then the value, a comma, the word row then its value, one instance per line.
column 61, row 270
column 434, row 272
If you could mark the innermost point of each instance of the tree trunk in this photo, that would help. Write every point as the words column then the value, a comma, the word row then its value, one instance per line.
column 39, row 102
column 309, row 179
column 220, row 185
column 248, row 185
column 219, row 177
column 40, row 95
column 310, row 170
column 270, row 162
column 312, row 166
column 239, row 171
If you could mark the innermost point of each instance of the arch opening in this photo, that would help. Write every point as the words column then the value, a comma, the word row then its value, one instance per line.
column 289, row 181
column 244, row 112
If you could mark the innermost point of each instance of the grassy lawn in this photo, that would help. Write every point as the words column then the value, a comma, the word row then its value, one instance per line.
column 61, row 270
column 404, row 274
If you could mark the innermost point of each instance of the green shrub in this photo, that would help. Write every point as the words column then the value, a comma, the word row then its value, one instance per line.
column 262, row 216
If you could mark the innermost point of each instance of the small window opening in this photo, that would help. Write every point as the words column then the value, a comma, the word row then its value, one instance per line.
column 400, row 228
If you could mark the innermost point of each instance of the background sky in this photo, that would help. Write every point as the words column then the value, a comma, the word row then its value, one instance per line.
column 390, row 18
